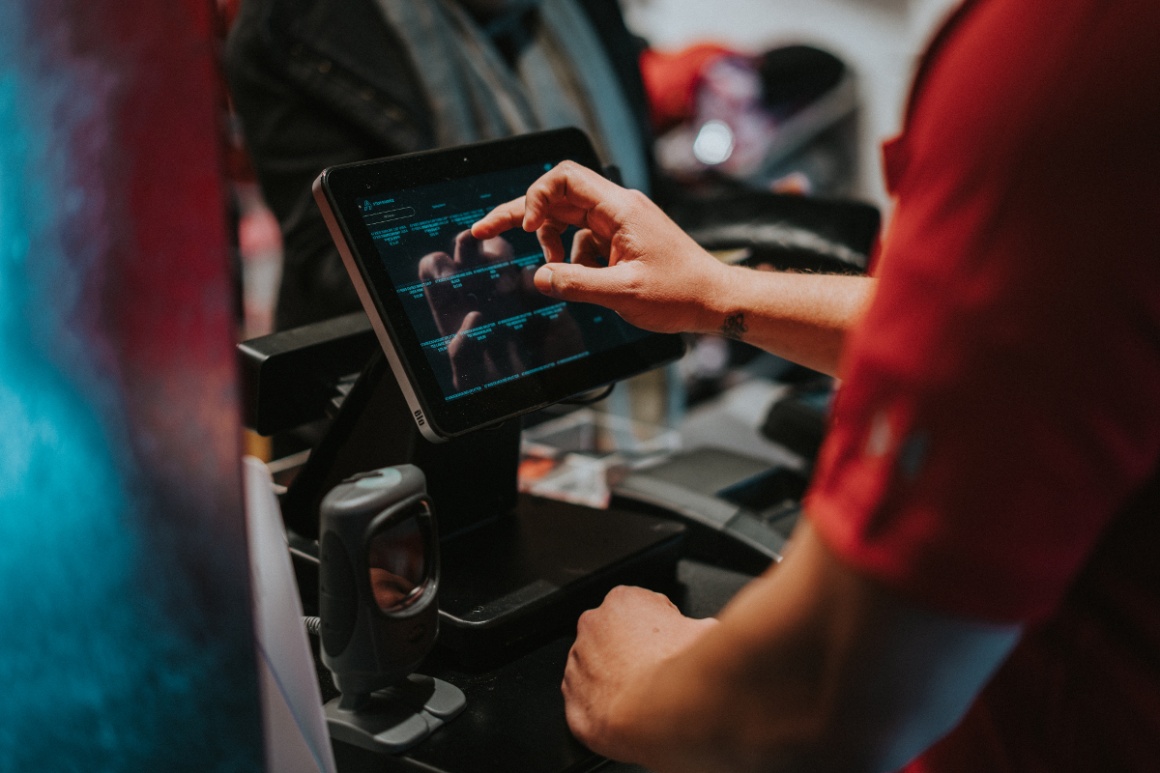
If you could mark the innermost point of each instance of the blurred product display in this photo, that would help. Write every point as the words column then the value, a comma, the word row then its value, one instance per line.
column 779, row 120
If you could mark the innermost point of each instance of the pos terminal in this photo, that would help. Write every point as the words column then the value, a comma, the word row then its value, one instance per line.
column 468, row 346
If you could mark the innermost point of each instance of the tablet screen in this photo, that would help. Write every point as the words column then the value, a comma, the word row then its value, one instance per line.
column 473, row 337
column 479, row 320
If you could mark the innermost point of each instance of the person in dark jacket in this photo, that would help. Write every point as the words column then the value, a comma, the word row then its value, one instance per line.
column 318, row 83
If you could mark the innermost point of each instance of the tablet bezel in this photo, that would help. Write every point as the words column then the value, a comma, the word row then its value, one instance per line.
column 337, row 190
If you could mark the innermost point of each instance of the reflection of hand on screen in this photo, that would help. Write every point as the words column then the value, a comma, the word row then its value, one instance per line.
column 391, row 590
column 397, row 560
column 479, row 285
column 451, row 303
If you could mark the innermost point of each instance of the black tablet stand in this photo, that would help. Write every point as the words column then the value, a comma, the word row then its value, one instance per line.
column 514, row 567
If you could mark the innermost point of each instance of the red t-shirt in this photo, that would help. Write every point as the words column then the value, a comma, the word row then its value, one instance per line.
column 995, row 448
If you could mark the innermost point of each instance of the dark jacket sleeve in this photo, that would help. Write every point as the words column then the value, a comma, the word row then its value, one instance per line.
column 316, row 84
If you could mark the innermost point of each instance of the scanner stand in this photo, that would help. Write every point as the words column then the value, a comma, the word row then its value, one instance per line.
column 514, row 567
column 394, row 719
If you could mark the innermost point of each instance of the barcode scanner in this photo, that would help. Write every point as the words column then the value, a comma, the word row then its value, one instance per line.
column 379, row 575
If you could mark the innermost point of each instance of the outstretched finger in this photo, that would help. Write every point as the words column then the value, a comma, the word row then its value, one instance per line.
column 568, row 193
column 505, row 217
column 471, row 252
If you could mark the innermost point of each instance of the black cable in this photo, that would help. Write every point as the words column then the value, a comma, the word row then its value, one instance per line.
column 313, row 625
column 591, row 398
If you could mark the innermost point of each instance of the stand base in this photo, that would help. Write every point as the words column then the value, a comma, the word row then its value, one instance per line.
column 397, row 718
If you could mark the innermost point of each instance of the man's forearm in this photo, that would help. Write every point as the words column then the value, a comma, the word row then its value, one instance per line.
column 802, row 317
column 811, row 668
column 743, row 698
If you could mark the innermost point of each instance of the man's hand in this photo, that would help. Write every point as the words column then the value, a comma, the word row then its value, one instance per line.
column 628, row 255
column 620, row 647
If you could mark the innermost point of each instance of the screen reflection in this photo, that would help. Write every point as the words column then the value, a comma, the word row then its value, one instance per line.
column 397, row 559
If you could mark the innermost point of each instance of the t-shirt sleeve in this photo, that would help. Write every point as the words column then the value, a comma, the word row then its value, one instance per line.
column 998, row 403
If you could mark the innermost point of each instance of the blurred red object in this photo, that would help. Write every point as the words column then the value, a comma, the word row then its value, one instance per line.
column 671, row 79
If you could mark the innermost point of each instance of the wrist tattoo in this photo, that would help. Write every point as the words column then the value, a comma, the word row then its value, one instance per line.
column 734, row 326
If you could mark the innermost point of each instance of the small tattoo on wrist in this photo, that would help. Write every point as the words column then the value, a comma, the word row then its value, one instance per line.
column 734, row 326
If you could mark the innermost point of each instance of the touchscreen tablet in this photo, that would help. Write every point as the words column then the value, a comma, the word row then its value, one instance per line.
column 469, row 338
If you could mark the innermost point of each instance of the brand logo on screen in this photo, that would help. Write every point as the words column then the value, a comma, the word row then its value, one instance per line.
column 419, row 418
